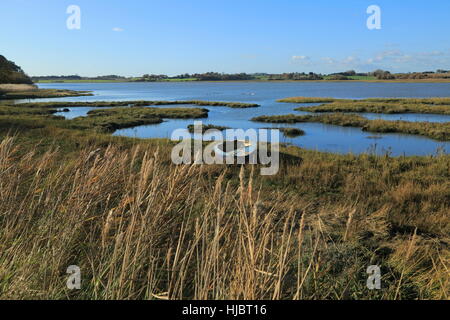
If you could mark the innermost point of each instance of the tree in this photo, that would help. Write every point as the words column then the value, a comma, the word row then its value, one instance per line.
column 338, row 77
column 349, row 73
column 12, row 73
column 383, row 75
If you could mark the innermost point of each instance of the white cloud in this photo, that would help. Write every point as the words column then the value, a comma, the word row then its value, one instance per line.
column 350, row 60
column 300, row 58
column 385, row 55
column 435, row 53
column 393, row 59
column 117, row 29
column 342, row 63
column 329, row 60
column 396, row 59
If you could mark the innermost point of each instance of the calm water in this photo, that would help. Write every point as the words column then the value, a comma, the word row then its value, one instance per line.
column 318, row 136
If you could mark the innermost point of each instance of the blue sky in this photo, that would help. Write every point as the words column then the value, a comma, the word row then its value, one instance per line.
column 179, row 36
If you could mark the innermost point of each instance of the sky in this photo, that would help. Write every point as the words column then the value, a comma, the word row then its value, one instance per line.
column 136, row 37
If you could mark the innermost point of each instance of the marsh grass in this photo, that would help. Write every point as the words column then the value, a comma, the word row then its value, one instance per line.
column 380, row 107
column 434, row 130
column 292, row 132
column 408, row 101
column 102, row 120
column 43, row 93
column 142, row 228
column 308, row 100
column 10, row 110
column 109, row 120
column 156, row 112
column 433, row 101
column 289, row 132
column 136, row 103
column 11, row 87
column 206, row 127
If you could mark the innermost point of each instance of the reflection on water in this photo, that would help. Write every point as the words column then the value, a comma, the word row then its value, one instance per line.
column 318, row 136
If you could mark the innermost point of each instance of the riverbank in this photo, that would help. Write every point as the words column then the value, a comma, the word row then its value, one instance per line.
column 261, row 80
column 137, row 103
column 25, row 91
column 10, row 87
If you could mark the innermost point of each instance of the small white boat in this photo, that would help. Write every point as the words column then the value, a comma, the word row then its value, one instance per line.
column 235, row 148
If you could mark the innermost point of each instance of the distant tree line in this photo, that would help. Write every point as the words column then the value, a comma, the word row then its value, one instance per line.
column 216, row 76
column 382, row 75
column 386, row 75
column 12, row 73
column 439, row 74
column 296, row 76
column 77, row 77
column 151, row 77
column 208, row 76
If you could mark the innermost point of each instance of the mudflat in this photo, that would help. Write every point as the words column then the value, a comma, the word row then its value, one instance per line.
column 12, row 87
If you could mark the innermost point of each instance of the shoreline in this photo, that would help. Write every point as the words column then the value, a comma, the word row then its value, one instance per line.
column 13, row 87
column 233, row 81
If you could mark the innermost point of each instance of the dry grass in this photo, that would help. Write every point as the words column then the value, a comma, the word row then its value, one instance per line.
column 308, row 100
column 142, row 228
column 290, row 132
column 10, row 87
column 191, row 128
column 136, row 103
column 31, row 92
column 408, row 101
